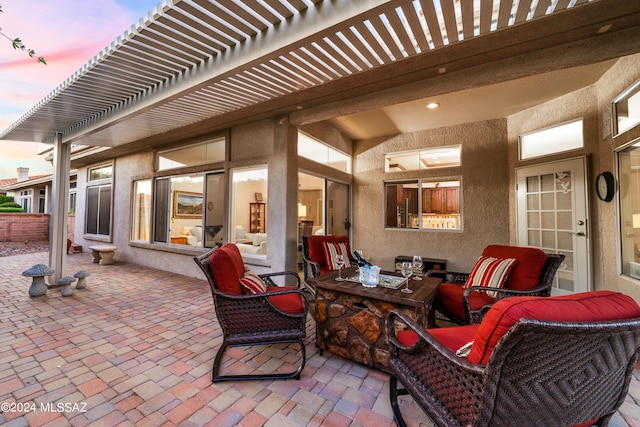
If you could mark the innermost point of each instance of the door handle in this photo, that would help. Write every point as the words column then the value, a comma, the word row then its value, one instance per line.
column 577, row 233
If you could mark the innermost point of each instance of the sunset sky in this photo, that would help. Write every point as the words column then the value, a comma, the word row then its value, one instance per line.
column 68, row 33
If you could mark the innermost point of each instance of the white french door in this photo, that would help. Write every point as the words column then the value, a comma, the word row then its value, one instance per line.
column 552, row 207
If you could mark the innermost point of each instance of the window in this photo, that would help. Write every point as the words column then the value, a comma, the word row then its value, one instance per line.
column 626, row 109
column 423, row 204
column 178, row 211
column 42, row 200
column 629, row 178
column 249, row 203
column 557, row 139
column 187, row 210
column 429, row 158
column 319, row 152
column 72, row 197
column 100, row 173
column 141, row 218
column 99, row 200
column 24, row 199
column 197, row 154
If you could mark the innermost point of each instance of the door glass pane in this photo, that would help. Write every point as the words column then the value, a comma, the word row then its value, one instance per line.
column 104, row 216
column 161, row 210
column 547, row 201
column 310, row 208
column 565, row 221
column 214, row 210
column 337, row 208
column 249, row 204
column 187, row 207
column 92, row 210
column 548, row 239
column 563, row 200
column 141, row 223
column 547, row 182
column 548, row 220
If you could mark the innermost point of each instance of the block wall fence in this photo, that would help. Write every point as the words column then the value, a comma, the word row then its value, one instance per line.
column 18, row 227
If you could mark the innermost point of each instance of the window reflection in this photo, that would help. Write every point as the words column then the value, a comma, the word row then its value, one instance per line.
column 629, row 183
column 249, row 210
column 626, row 109
column 422, row 204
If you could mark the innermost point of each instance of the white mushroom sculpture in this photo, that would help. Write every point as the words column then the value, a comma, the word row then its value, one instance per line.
column 66, row 282
column 82, row 281
column 38, row 285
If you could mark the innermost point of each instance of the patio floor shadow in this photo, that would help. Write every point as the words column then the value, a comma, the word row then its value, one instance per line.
column 136, row 347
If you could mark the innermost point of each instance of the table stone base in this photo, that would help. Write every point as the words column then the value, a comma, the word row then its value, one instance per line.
column 354, row 327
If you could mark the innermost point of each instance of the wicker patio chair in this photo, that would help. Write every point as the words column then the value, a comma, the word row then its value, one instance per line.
column 467, row 306
column 275, row 316
column 551, row 373
column 313, row 261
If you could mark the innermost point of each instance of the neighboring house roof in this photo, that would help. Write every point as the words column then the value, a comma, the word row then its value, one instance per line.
column 220, row 64
column 12, row 184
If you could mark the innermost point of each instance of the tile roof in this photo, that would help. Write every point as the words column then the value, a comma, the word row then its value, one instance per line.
column 13, row 181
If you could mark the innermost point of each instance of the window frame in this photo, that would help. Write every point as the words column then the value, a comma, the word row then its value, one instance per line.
column 101, row 184
column 420, row 154
column 627, row 224
column 547, row 129
column 205, row 161
column 331, row 153
column 631, row 91
column 420, row 182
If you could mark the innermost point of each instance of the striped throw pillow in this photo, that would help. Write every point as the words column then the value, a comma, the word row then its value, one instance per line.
column 251, row 283
column 333, row 249
column 490, row 272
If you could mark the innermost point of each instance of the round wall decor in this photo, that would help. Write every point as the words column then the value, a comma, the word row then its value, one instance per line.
column 605, row 186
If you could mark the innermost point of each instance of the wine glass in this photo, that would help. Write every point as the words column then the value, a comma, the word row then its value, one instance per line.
column 340, row 263
column 407, row 271
column 417, row 264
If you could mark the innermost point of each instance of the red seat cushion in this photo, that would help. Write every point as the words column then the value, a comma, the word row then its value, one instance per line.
column 450, row 296
column 227, row 268
column 289, row 303
column 582, row 307
column 452, row 338
column 527, row 271
column 316, row 249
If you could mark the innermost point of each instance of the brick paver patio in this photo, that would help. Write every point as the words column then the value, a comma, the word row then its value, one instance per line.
column 136, row 347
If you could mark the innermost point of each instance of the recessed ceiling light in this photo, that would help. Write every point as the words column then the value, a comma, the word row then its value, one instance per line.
column 432, row 105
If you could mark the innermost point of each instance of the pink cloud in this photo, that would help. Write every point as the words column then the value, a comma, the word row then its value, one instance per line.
column 66, row 32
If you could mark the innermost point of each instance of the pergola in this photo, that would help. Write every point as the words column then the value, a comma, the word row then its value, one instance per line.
column 193, row 65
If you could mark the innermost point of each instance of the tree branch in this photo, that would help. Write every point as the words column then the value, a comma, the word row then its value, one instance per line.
column 17, row 44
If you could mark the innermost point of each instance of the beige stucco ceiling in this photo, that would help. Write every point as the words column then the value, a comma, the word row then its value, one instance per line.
column 488, row 102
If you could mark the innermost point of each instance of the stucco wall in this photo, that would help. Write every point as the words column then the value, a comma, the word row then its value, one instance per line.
column 126, row 170
column 606, row 252
column 250, row 145
column 593, row 104
column 485, row 177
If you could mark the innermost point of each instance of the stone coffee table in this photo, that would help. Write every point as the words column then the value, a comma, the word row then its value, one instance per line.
column 351, row 319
